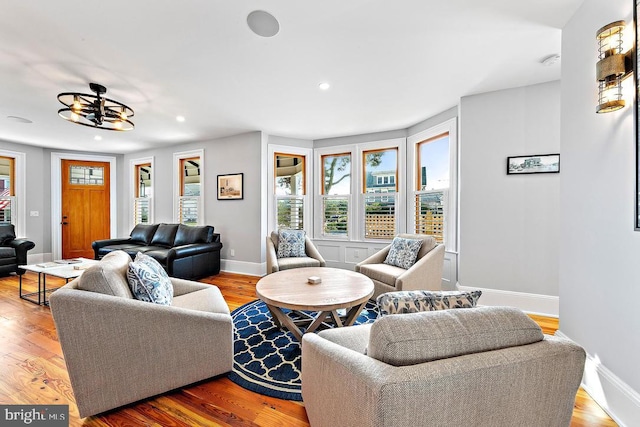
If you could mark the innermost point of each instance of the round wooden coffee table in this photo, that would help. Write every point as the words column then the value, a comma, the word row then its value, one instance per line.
column 339, row 289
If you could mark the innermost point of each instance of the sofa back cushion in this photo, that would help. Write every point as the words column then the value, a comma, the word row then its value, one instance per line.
column 109, row 276
column 187, row 235
column 409, row 339
column 165, row 235
column 7, row 233
column 143, row 233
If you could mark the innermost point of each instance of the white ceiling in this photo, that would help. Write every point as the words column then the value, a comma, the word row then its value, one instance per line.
column 390, row 64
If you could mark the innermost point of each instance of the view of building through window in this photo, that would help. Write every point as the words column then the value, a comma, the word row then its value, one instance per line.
column 190, row 191
column 143, row 193
column 336, row 190
column 432, row 186
column 380, row 168
column 290, row 182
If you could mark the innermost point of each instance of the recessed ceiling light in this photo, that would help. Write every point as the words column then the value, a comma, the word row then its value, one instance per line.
column 180, row 118
column 550, row 60
column 263, row 23
column 324, row 86
column 18, row 119
column 97, row 138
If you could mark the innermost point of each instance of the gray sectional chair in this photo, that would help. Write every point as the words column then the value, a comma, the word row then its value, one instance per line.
column 119, row 350
column 488, row 366
column 313, row 258
column 425, row 274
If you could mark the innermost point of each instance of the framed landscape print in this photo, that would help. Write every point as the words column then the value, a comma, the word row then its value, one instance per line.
column 231, row 187
column 539, row 163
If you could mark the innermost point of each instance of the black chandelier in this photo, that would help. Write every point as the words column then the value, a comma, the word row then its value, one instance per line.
column 95, row 110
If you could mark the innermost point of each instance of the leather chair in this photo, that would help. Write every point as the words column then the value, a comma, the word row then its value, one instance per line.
column 313, row 258
column 487, row 366
column 425, row 274
column 13, row 252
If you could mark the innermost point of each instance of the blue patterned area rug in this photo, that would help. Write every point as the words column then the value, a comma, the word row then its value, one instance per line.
column 266, row 359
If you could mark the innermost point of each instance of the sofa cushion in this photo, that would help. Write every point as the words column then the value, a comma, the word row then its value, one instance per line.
column 7, row 252
column 148, row 281
column 403, row 252
column 187, row 235
column 416, row 301
column 109, row 276
column 7, row 233
column 165, row 235
column 384, row 273
column 409, row 339
column 297, row 262
column 143, row 233
column 209, row 300
column 291, row 243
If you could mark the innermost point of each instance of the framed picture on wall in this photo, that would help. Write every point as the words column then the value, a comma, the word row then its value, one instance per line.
column 231, row 187
column 539, row 163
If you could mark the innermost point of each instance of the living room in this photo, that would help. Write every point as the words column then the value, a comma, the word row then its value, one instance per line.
column 536, row 242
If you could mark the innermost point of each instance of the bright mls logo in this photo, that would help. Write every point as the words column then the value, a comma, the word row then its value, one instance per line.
column 34, row 415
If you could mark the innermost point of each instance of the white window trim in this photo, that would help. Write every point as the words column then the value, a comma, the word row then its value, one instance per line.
column 20, row 190
column 451, row 225
column 56, row 195
column 400, row 144
column 317, row 190
column 177, row 157
column 132, row 187
column 272, row 221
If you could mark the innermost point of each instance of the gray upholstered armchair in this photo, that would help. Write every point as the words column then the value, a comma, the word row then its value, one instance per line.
column 425, row 274
column 313, row 258
column 119, row 349
column 487, row 366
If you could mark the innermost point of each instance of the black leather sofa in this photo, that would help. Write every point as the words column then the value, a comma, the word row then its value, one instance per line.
column 184, row 251
column 13, row 252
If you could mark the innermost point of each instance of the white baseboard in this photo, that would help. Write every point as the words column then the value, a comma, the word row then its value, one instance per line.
column 243, row 267
column 545, row 305
column 614, row 396
column 39, row 258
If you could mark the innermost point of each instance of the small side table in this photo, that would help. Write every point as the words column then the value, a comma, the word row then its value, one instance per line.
column 63, row 271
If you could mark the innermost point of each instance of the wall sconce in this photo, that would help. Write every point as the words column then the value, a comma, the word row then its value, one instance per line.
column 612, row 67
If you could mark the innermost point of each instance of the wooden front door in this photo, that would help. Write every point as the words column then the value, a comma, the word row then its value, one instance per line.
column 85, row 206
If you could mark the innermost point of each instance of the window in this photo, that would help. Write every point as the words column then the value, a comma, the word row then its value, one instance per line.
column 380, row 192
column 143, row 191
column 336, row 194
column 189, row 187
column 289, row 188
column 433, row 204
column 7, row 191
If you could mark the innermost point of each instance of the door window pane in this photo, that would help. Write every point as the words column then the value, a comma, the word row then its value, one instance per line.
column 86, row 175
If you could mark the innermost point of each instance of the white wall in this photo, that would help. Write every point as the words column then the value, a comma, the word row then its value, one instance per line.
column 599, row 250
column 509, row 224
column 239, row 222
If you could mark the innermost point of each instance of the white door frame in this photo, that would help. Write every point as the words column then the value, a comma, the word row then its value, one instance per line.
column 56, row 195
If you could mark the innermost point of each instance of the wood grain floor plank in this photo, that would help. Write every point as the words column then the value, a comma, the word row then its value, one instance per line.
column 32, row 371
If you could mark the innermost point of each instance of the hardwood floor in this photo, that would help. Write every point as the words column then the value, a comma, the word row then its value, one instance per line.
column 32, row 371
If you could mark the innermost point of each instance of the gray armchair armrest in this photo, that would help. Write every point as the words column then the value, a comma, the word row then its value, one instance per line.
column 121, row 350
column 272, row 257
column 313, row 252
column 425, row 274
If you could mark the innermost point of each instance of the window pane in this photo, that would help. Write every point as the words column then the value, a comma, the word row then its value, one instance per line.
column 141, row 209
column 290, row 178
column 290, row 212
column 144, row 186
column 379, row 167
column 430, row 208
column 335, row 216
column 190, row 176
column 380, row 216
column 433, row 158
column 86, row 175
column 336, row 174
column 188, row 210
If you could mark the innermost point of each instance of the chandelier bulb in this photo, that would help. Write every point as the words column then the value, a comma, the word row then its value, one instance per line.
column 75, row 117
column 117, row 124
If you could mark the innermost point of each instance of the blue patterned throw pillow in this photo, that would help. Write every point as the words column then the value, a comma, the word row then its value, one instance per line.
column 403, row 252
column 148, row 280
column 291, row 244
